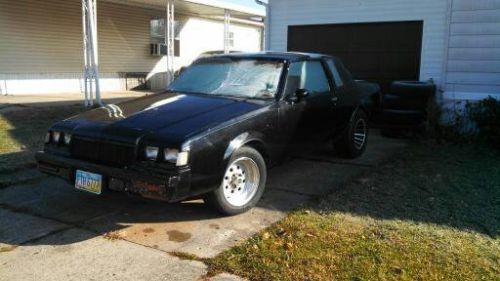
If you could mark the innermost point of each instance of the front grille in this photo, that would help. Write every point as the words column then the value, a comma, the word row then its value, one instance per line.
column 102, row 152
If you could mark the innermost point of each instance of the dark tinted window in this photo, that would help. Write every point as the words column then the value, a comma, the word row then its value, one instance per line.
column 345, row 75
column 335, row 73
column 309, row 75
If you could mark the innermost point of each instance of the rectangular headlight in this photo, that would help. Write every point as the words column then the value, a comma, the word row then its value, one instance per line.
column 151, row 152
column 171, row 155
column 67, row 139
column 183, row 158
column 56, row 136
column 174, row 156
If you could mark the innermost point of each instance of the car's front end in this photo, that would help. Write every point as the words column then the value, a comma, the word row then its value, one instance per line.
column 94, row 164
column 173, row 145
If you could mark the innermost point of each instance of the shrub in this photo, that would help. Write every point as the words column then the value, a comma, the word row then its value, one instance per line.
column 486, row 116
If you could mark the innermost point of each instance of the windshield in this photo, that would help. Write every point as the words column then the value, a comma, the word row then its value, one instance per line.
column 242, row 78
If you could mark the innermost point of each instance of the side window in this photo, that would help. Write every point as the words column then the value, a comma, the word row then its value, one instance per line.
column 335, row 73
column 344, row 73
column 308, row 75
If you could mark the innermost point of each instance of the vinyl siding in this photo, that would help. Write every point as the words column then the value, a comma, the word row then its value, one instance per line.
column 46, row 36
column 41, row 44
column 474, row 49
column 433, row 12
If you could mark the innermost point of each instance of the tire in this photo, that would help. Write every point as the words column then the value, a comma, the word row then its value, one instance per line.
column 413, row 89
column 237, row 193
column 397, row 102
column 349, row 144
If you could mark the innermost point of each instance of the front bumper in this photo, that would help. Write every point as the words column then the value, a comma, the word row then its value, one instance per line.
column 145, row 179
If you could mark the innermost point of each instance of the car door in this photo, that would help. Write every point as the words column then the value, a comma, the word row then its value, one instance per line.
column 310, row 119
column 345, row 98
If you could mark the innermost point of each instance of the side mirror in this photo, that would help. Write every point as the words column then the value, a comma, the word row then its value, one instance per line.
column 299, row 94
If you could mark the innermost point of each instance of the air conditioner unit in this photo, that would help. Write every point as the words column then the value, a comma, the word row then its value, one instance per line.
column 158, row 49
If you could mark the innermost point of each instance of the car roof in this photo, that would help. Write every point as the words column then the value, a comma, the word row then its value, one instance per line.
column 290, row 56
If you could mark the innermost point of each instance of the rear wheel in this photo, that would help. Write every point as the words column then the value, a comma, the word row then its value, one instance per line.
column 242, row 185
column 353, row 141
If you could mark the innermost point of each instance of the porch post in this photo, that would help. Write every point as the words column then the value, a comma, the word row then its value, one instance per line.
column 91, row 69
column 169, row 39
column 227, row 23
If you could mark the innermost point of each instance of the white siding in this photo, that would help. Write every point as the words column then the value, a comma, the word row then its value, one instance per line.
column 473, row 67
column 433, row 12
column 41, row 44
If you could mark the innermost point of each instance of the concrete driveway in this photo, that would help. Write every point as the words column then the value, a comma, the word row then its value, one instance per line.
column 50, row 231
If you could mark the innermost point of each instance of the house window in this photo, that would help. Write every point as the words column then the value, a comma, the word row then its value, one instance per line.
column 157, row 28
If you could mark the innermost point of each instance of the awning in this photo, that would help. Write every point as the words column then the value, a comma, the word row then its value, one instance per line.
column 202, row 8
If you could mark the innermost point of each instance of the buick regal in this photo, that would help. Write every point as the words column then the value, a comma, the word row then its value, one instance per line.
column 214, row 132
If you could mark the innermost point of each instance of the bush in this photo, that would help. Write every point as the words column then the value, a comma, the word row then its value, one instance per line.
column 486, row 116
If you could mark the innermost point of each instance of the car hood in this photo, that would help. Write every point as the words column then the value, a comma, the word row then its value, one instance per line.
column 171, row 117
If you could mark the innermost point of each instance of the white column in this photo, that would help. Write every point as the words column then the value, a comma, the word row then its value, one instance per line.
column 170, row 39
column 91, row 70
column 227, row 24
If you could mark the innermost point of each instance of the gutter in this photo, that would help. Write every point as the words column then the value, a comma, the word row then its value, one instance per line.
column 267, row 25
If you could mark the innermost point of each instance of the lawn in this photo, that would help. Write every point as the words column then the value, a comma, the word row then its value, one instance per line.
column 22, row 133
column 432, row 214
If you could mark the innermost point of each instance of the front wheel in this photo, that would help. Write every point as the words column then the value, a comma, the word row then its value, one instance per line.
column 242, row 185
column 353, row 141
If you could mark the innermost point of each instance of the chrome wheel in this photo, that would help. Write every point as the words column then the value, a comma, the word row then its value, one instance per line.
column 360, row 133
column 241, row 181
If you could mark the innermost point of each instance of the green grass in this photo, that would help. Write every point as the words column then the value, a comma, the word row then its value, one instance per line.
column 433, row 214
column 22, row 133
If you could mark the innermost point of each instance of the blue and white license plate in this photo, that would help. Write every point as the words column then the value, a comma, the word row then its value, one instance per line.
column 88, row 181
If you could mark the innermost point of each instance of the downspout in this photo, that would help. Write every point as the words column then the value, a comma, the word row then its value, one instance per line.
column 267, row 25
column 444, row 69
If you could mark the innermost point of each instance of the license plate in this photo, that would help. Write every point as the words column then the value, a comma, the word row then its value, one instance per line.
column 88, row 182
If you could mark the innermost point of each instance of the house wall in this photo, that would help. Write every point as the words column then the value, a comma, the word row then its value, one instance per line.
column 199, row 35
column 461, row 38
column 41, row 44
column 433, row 12
column 473, row 65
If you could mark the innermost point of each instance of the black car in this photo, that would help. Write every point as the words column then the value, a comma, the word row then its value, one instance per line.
column 214, row 131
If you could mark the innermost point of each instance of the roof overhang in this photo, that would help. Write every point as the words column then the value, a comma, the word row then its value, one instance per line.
column 203, row 8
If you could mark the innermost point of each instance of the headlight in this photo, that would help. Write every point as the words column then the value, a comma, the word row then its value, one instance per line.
column 56, row 136
column 174, row 156
column 183, row 158
column 67, row 139
column 171, row 155
column 151, row 152
column 47, row 137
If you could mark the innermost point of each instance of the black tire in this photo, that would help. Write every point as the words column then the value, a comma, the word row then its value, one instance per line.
column 217, row 198
column 413, row 89
column 397, row 102
column 348, row 145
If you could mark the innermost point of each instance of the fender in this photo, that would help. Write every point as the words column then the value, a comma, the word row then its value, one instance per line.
column 238, row 142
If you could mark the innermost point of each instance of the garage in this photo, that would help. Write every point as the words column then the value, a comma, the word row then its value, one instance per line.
column 379, row 52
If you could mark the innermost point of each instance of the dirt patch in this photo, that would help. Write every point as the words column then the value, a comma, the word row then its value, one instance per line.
column 9, row 248
column 148, row 230
column 178, row 236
